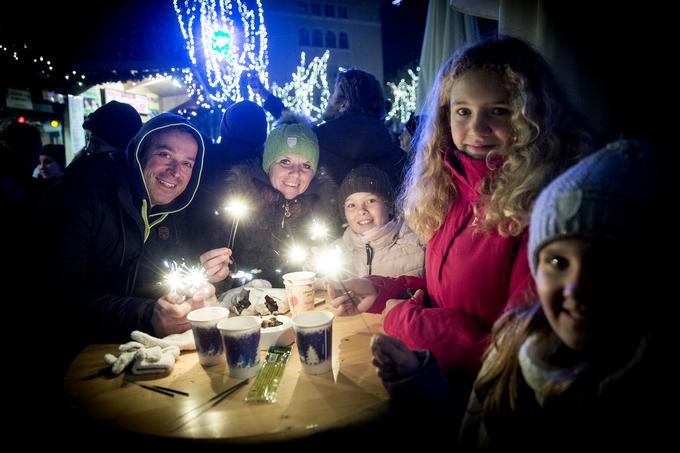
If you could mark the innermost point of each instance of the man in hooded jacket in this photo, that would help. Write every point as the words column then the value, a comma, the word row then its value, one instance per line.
column 112, row 224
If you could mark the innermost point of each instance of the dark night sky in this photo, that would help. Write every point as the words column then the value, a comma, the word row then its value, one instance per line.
column 128, row 32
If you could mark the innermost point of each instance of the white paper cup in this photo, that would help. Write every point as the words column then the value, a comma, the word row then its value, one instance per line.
column 314, row 338
column 300, row 291
column 209, row 344
column 241, row 337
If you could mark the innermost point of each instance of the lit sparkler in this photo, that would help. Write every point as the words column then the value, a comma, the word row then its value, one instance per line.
column 184, row 278
column 318, row 230
column 329, row 262
column 236, row 208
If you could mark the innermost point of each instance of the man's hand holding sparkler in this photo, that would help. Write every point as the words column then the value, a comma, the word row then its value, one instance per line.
column 170, row 311
column 216, row 263
column 351, row 297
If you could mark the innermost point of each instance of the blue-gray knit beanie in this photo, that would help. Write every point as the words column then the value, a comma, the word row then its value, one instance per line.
column 609, row 194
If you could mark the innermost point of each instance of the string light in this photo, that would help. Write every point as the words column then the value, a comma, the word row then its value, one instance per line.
column 223, row 39
column 403, row 97
column 308, row 91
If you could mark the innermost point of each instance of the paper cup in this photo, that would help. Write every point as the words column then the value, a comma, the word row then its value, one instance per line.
column 241, row 337
column 314, row 337
column 209, row 344
column 300, row 291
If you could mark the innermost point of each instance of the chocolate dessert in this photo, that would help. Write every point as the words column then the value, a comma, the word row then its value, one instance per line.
column 271, row 304
column 271, row 322
column 242, row 302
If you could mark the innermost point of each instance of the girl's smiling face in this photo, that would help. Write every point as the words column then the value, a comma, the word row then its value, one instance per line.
column 481, row 114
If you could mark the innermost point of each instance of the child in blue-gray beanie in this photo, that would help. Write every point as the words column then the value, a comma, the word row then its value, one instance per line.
column 582, row 359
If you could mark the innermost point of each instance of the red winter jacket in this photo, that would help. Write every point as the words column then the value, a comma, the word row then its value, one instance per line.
column 471, row 278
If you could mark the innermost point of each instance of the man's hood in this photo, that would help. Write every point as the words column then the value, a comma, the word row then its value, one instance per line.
column 133, row 155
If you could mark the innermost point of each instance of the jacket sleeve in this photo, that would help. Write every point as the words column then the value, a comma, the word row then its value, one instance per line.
column 393, row 288
column 456, row 340
column 274, row 105
column 74, row 228
column 455, row 337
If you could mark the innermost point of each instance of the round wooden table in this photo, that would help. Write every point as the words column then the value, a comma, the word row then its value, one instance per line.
column 350, row 395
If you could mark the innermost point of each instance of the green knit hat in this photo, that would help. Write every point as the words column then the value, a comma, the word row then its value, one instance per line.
column 295, row 138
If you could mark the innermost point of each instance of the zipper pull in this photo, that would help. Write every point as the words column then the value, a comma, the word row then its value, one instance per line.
column 286, row 213
column 369, row 257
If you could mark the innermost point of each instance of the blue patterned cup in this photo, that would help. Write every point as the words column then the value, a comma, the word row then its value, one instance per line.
column 209, row 344
column 314, row 336
column 241, row 336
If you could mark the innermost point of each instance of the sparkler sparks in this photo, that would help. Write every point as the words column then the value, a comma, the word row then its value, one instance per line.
column 184, row 278
column 235, row 208
column 318, row 230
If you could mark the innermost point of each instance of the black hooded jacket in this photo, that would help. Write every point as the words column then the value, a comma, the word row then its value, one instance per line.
column 106, row 243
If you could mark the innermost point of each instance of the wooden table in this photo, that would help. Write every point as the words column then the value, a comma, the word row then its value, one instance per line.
column 351, row 395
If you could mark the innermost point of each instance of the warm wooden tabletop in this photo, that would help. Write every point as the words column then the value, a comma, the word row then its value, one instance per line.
column 306, row 404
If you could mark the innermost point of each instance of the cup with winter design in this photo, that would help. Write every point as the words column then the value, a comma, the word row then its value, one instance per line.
column 241, row 336
column 209, row 344
column 314, row 335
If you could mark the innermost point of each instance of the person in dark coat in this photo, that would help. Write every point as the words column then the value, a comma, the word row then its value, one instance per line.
column 354, row 132
column 243, row 130
column 283, row 194
column 108, row 129
column 109, row 226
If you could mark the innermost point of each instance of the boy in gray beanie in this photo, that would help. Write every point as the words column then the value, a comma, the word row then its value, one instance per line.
column 375, row 243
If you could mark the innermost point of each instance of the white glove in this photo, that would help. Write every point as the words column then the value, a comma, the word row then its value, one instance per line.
column 118, row 364
column 150, row 354
column 184, row 341
column 155, row 360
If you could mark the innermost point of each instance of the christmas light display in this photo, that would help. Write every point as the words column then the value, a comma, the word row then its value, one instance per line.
column 223, row 39
column 403, row 97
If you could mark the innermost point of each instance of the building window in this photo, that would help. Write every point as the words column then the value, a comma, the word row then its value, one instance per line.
column 317, row 38
column 344, row 42
column 342, row 12
column 303, row 37
column 302, row 7
column 330, row 40
column 329, row 10
column 316, row 9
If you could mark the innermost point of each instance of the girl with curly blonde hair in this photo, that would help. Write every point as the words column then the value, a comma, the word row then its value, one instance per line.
column 498, row 128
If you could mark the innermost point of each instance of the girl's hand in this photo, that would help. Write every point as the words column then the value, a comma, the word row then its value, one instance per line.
column 359, row 298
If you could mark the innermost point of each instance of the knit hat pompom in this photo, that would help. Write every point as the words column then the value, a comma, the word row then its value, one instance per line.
column 291, row 135
column 365, row 178
column 609, row 195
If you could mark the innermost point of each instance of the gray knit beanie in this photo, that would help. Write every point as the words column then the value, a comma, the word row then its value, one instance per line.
column 365, row 178
column 609, row 194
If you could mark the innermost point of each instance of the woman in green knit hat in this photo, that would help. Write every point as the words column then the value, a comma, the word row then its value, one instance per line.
column 284, row 195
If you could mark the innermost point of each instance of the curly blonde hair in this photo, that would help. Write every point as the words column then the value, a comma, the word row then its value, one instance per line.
column 547, row 137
